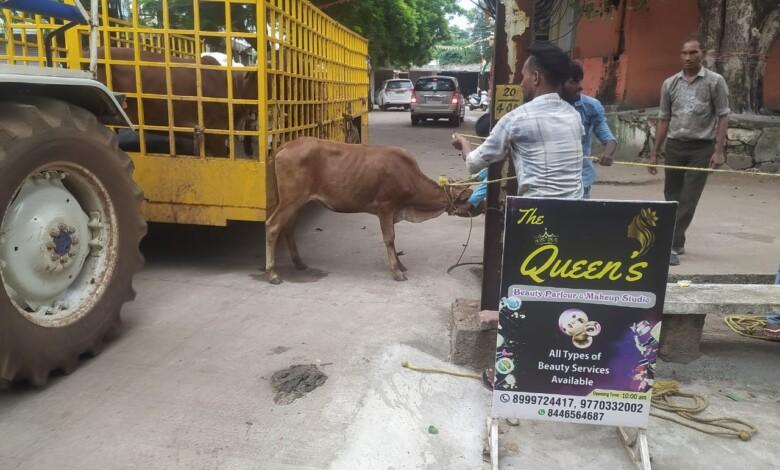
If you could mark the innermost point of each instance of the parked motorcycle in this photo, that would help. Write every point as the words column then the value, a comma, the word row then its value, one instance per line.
column 479, row 100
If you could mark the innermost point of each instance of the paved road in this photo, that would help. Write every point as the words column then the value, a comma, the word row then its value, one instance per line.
column 186, row 384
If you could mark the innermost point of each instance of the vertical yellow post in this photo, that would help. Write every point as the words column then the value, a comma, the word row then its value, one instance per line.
column 201, row 150
column 39, row 40
column 139, row 89
column 230, row 91
column 168, row 83
column 73, row 48
column 10, row 48
column 262, row 70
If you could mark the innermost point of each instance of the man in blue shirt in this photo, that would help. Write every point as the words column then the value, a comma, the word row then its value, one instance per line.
column 594, row 122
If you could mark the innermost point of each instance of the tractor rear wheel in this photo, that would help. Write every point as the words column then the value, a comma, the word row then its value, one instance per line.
column 70, row 230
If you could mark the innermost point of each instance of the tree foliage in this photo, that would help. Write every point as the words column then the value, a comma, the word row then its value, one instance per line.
column 181, row 15
column 399, row 32
column 458, row 50
column 471, row 45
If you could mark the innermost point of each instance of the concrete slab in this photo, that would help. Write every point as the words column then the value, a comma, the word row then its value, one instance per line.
column 391, row 430
column 685, row 308
column 726, row 299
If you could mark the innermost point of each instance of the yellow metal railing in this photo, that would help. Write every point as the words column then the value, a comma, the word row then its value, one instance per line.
column 22, row 39
column 205, row 129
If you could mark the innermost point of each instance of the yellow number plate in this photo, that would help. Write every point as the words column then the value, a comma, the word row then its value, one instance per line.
column 508, row 97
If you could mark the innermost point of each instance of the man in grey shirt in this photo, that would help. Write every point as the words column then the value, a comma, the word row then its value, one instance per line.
column 695, row 115
column 544, row 134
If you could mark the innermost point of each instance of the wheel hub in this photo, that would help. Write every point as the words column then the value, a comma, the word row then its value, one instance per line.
column 41, row 254
column 63, row 241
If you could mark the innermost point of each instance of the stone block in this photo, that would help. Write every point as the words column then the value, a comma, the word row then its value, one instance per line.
column 745, row 136
column 753, row 121
column 737, row 161
column 680, row 337
column 470, row 344
column 723, row 299
column 768, row 146
column 770, row 167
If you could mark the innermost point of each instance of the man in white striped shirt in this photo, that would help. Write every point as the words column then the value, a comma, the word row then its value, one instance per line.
column 545, row 139
column 544, row 134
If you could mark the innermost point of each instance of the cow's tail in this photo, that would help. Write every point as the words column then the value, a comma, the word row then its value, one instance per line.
column 272, row 189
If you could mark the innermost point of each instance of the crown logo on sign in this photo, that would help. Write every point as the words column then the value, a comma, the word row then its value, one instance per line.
column 546, row 238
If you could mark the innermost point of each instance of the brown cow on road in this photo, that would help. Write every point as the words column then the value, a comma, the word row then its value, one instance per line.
column 380, row 180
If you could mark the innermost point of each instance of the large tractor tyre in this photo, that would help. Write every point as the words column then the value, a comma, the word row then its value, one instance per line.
column 69, row 236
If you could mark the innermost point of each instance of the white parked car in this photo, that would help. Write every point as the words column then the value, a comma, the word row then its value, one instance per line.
column 396, row 93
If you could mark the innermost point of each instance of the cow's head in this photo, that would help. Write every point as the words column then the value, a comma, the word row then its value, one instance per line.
column 458, row 197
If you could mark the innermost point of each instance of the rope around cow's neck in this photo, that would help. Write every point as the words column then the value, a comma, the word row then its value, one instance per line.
column 448, row 194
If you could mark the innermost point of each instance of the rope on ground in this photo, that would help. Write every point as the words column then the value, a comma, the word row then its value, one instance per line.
column 465, row 246
column 751, row 326
column 664, row 394
column 434, row 370
column 666, row 397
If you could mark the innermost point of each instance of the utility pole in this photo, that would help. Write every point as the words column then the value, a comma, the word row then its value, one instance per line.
column 514, row 34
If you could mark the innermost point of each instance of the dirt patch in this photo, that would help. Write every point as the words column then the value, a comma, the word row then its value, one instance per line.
column 294, row 382
column 279, row 350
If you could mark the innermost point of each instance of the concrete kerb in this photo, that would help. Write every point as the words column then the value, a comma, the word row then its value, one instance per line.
column 686, row 307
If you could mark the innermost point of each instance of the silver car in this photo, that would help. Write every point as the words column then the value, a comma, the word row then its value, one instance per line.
column 438, row 97
column 395, row 93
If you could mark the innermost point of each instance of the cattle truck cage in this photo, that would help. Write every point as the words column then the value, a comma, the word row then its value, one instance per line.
column 310, row 79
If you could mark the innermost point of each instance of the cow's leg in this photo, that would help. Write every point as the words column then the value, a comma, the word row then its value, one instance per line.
column 400, row 264
column 388, row 234
column 276, row 225
column 289, row 237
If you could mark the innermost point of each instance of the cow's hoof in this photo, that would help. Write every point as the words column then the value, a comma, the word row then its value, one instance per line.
column 275, row 280
column 301, row 266
column 399, row 276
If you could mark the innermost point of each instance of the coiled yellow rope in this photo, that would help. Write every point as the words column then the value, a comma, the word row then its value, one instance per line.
column 664, row 394
column 751, row 326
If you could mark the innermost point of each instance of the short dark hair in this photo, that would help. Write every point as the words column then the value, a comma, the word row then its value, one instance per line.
column 575, row 71
column 694, row 37
column 551, row 61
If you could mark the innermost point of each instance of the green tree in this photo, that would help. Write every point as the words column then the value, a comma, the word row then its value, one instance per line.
column 460, row 49
column 482, row 31
column 471, row 45
column 399, row 32
column 212, row 15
